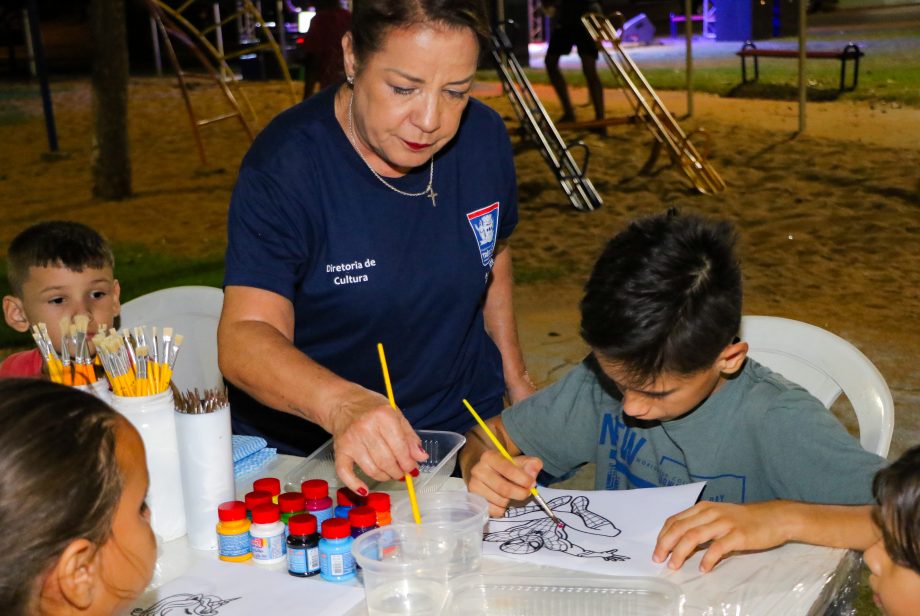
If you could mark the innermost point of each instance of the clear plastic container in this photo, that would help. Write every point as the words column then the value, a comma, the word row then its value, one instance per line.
column 462, row 513
column 405, row 569
column 535, row 595
column 442, row 448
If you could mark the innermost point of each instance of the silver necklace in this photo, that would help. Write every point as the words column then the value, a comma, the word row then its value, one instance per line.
column 428, row 192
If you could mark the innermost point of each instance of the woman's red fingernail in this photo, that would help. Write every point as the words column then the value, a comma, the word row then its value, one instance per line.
column 362, row 491
column 403, row 478
column 422, row 449
column 414, row 472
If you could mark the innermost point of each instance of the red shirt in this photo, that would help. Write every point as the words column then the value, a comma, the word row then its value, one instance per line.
column 23, row 364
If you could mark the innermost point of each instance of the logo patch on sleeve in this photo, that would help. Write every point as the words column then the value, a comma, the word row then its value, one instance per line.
column 484, row 223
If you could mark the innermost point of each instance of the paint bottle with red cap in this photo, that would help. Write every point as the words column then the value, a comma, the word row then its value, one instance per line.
column 268, row 542
column 303, row 546
column 272, row 485
column 290, row 504
column 255, row 498
column 361, row 520
column 318, row 503
column 345, row 499
column 233, row 539
column 336, row 564
column 380, row 502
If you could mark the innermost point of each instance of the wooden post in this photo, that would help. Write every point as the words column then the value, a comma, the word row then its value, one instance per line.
column 111, row 163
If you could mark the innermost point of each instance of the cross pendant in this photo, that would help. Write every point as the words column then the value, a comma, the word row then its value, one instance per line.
column 432, row 195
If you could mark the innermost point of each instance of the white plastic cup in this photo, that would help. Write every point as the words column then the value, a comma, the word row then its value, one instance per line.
column 99, row 388
column 206, row 457
column 463, row 514
column 153, row 416
column 405, row 569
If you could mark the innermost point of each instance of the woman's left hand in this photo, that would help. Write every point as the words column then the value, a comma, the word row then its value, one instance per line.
column 520, row 388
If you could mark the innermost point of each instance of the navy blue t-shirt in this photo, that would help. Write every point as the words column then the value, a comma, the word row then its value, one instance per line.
column 363, row 264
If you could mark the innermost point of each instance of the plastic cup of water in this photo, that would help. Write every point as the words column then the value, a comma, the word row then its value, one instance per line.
column 405, row 569
column 463, row 514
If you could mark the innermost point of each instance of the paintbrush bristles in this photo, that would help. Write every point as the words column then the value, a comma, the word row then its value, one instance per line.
column 194, row 403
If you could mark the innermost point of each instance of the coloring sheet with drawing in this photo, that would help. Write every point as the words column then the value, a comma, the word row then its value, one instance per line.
column 217, row 588
column 605, row 531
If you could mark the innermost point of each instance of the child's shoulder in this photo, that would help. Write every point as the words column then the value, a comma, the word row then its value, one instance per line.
column 769, row 391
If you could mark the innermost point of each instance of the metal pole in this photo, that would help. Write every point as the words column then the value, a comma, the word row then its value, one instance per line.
column 500, row 10
column 803, row 81
column 155, row 38
column 40, row 69
column 688, row 29
column 30, row 51
column 219, row 36
column 282, row 34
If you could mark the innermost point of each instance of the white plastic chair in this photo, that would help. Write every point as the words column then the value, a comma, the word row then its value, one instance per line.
column 825, row 365
column 192, row 311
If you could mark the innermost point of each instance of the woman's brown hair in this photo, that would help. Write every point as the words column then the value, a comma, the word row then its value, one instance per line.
column 59, row 480
column 372, row 19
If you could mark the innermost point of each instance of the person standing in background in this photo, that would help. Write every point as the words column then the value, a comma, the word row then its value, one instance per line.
column 322, row 46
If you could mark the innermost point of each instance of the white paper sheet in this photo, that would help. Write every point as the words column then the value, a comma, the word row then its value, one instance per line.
column 608, row 531
column 217, row 588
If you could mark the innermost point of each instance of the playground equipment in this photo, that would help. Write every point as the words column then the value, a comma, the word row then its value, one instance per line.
column 651, row 111
column 179, row 23
column 537, row 125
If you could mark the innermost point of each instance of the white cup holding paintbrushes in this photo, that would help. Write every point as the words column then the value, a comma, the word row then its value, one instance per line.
column 153, row 416
column 206, row 456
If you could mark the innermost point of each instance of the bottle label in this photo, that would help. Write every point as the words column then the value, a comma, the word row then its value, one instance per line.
column 303, row 560
column 234, row 545
column 268, row 548
column 336, row 565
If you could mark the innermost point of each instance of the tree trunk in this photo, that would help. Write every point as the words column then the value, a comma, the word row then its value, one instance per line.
column 111, row 162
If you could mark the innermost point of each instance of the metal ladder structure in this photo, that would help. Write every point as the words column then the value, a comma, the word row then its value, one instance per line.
column 174, row 23
column 538, row 126
column 651, row 111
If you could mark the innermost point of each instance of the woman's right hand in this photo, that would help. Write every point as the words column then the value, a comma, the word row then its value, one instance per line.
column 368, row 432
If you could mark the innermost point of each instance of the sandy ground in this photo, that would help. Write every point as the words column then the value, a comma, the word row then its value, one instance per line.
column 829, row 221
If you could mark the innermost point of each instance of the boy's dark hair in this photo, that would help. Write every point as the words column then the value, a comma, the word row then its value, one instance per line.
column 56, row 243
column 59, row 479
column 897, row 491
column 664, row 296
column 373, row 19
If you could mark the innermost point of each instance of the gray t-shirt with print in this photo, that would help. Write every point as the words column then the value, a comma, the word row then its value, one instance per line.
column 758, row 437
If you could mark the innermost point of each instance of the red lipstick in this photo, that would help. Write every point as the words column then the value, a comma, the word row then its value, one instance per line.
column 415, row 147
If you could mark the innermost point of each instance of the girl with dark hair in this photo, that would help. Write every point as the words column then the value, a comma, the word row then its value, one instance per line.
column 894, row 560
column 73, row 479
column 378, row 210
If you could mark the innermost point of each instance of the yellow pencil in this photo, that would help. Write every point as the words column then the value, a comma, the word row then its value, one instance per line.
column 386, row 379
column 504, row 452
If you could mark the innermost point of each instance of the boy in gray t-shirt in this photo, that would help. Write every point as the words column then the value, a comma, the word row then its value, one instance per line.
column 669, row 397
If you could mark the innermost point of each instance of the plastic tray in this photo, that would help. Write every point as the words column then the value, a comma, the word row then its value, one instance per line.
column 442, row 448
column 516, row 595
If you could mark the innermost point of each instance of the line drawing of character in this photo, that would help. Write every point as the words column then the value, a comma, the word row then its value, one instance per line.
column 185, row 603
column 584, row 533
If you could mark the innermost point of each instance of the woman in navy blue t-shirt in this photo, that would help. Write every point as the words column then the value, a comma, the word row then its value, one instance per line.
column 377, row 211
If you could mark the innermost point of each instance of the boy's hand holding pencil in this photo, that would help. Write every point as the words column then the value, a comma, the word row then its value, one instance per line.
column 500, row 476
column 501, row 482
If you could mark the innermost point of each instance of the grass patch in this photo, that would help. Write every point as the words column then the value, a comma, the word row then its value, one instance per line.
column 140, row 271
column 525, row 274
column 889, row 72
